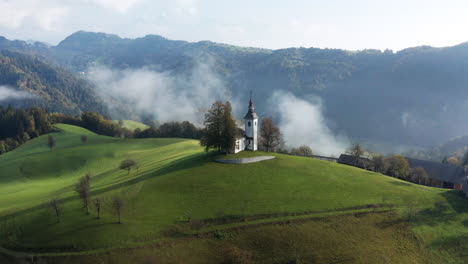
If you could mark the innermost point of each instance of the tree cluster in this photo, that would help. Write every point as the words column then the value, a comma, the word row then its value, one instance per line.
column 20, row 125
column 83, row 188
column 183, row 129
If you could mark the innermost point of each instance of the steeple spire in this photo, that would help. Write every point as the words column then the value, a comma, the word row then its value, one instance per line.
column 251, row 112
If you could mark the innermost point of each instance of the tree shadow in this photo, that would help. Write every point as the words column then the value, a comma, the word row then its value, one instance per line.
column 400, row 183
column 457, row 200
column 191, row 161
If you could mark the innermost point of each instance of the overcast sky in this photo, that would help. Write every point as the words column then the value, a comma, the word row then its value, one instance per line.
column 346, row 24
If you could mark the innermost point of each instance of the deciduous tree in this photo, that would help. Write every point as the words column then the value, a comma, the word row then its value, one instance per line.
column 398, row 166
column 128, row 164
column 117, row 206
column 84, row 139
column 98, row 205
column 56, row 205
column 379, row 164
column 220, row 128
column 51, row 142
column 270, row 135
column 83, row 188
column 418, row 175
column 356, row 151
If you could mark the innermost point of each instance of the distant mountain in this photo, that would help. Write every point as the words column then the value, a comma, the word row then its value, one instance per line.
column 416, row 96
column 49, row 87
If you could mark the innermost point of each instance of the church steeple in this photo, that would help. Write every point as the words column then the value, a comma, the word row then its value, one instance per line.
column 251, row 124
column 251, row 112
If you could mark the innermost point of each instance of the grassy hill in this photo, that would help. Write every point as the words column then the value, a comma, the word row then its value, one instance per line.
column 132, row 125
column 177, row 181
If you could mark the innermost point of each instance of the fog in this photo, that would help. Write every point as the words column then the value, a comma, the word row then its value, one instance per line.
column 167, row 95
column 302, row 123
column 8, row 93
column 170, row 96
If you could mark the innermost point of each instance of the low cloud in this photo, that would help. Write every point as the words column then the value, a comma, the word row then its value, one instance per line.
column 302, row 123
column 167, row 95
column 7, row 93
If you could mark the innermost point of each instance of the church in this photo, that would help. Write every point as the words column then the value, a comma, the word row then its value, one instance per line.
column 249, row 140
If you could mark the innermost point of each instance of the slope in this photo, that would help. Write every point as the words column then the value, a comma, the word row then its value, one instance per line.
column 177, row 181
column 51, row 87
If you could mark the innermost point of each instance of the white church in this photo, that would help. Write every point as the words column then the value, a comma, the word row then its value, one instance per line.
column 249, row 140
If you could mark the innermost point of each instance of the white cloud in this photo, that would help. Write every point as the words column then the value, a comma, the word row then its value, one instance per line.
column 121, row 6
column 187, row 7
column 302, row 123
column 169, row 96
column 47, row 14
column 7, row 93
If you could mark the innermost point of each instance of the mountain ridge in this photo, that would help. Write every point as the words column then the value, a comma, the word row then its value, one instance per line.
column 414, row 96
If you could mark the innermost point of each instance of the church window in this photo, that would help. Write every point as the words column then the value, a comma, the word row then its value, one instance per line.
column 248, row 123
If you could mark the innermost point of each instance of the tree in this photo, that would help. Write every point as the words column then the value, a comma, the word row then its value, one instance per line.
column 51, row 142
column 121, row 123
column 379, row 163
column 117, row 206
column 128, row 164
column 454, row 160
column 230, row 132
column 445, row 160
column 270, row 136
column 83, row 189
column 98, row 205
column 3, row 148
column 398, row 166
column 356, row 151
column 220, row 128
column 84, row 139
column 56, row 205
column 418, row 175
column 303, row 150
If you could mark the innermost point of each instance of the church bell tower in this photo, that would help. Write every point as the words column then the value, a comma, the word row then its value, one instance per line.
column 251, row 127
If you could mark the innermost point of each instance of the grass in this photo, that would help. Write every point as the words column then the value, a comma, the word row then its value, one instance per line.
column 132, row 125
column 177, row 180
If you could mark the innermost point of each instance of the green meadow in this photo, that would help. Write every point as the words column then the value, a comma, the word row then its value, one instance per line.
column 132, row 125
column 179, row 192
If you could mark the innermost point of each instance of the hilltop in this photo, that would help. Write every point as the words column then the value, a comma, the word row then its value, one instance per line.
column 178, row 192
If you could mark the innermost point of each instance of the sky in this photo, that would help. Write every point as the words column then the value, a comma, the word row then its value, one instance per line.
column 344, row 24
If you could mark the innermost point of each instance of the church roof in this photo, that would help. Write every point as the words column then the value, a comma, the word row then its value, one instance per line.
column 251, row 113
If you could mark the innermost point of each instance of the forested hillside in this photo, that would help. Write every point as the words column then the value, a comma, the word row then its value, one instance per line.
column 416, row 96
column 47, row 86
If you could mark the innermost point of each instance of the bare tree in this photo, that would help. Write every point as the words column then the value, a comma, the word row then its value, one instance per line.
column 56, row 205
column 117, row 206
column 128, row 164
column 98, row 205
column 303, row 150
column 379, row 163
column 84, row 139
column 270, row 136
column 51, row 142
column 83, row 189
column 356, row 151
column 418, row 175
